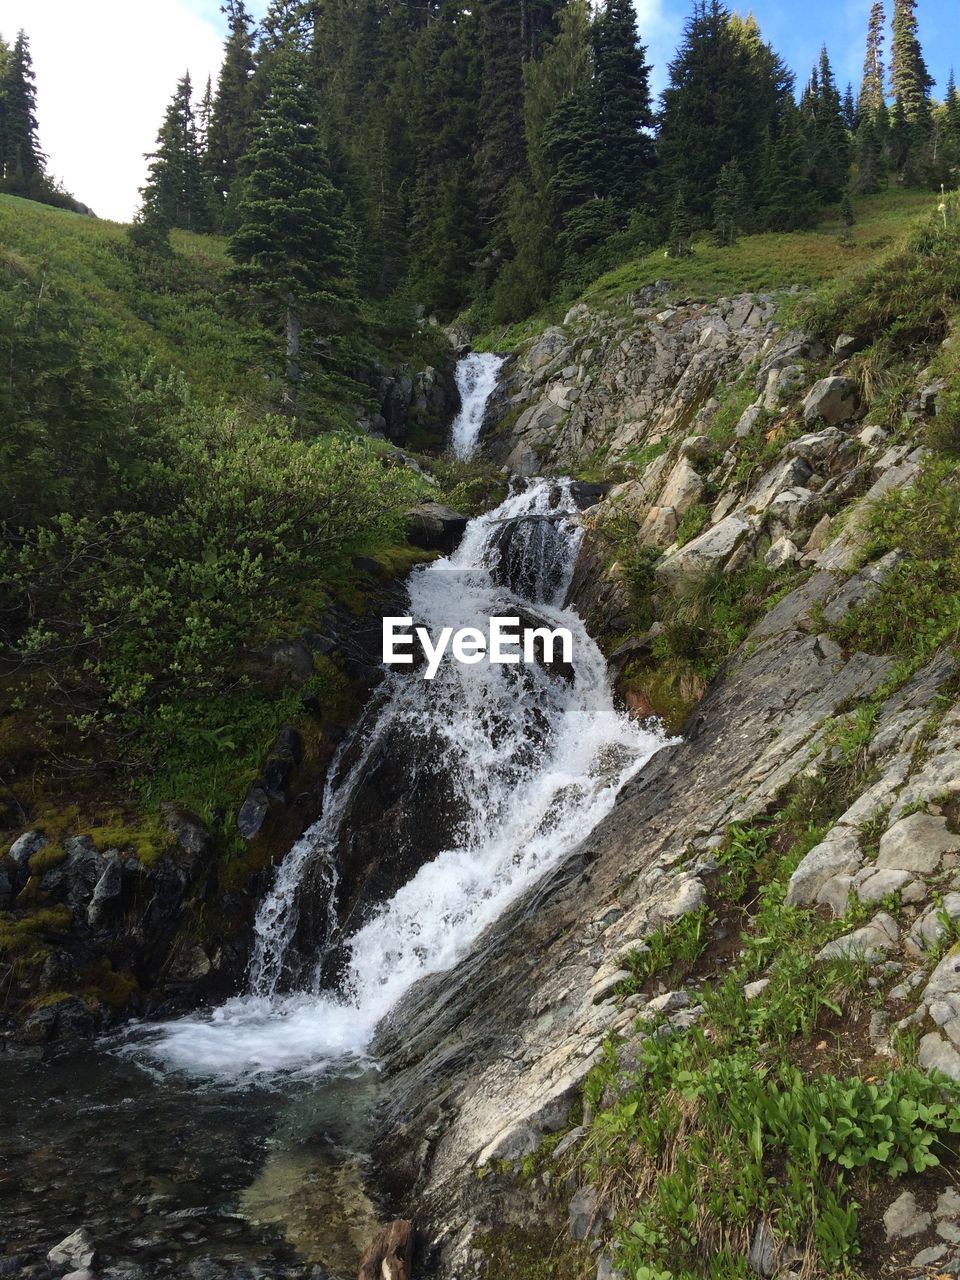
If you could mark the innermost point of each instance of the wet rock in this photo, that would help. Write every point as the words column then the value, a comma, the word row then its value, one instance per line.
column 905, row 1218
column 187, row 829
column 253, row 812
column 73, row 880
column 105, row 901
column 77, row 1250
column 434, row 527
column 66, row 1025
column 833, row 399
column 23, row 849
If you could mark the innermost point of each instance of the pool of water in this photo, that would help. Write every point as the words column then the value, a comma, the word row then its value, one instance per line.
column 177, row 1177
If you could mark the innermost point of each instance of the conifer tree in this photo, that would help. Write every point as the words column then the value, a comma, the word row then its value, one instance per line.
column 872, row 87
column 623, row 88
column 791, row 200
column 500, row 155
column 727, row 90
column 293, row 241
column 729, row 205
column 910, row 80
column 232, row 115
column 828, row 142
column 871, row 155
column 851, row 116
column 681, row 229
column 21, row 161
column 175, row 194
column 577, row 155
column 846, row 210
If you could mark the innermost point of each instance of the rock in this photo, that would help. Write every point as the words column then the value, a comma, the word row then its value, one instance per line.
column 546, row 348
column 606, row 1269
column 748, row 420
column 763, row 1250
column 948, row 1204
column 917, row 843
column 905, row 1218
column 873, row 437
column 76, row 1250
column 683, row 488
column 927, row 1257
column 67, row 1024
column 6, row 888
column 187, row 829
column 705, row 552
column 668, row 1002
column 253, row 812
column 23, row 849
column 839, row 853
column 872, row 885
column 832, row 399
column 869, row 943
column 788, row 474
column 937, row 1054
column 696, row 448
column 781, row 552
column 106, row 893
column 660, row 528
column 846, row 345
column 930, row 928
column 434, row 527
column 73, row 880
column 819, row 536
column 754, row 989
column 582, row 1214
column 569, row 1140
column 929, row 397
column 817, row 448
column 80, row 1275
column 523, row 461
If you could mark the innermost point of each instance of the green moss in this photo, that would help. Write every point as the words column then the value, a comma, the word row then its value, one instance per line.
column 19, row 936
column 51, row 855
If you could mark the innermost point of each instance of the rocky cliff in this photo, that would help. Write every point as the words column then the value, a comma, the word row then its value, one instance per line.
column 740, row 449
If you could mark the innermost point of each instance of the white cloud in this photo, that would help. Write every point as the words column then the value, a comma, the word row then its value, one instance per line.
column 105, row 72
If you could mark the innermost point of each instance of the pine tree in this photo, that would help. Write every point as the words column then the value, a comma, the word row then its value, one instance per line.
column 872, row 88
column 851, row 117
column 576, row 154
column 175, row 194
column 828, row 144
column 500, row 155
column 871, row 157
column 729, row 205
column 726, row 93
column 21, row 161
column 232, row 115
column 292, row 245
column 681, row 229
column 623, row 87
column 846, row 210
column 791, row 202
column 910, row 80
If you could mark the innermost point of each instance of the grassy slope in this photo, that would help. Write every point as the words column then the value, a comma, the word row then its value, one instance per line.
column 774, row 260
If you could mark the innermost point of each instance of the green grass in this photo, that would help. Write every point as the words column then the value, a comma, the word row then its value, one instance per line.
column 774, row 260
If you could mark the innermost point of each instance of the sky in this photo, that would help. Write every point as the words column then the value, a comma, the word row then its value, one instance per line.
column 107, row 68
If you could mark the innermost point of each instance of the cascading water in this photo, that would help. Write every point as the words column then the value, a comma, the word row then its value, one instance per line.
column 477, row 376
column 536, row 756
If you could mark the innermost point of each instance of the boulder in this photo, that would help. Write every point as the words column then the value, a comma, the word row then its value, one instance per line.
column 77, row 1250
column 787, row 474
column 837, row 854
column 253, row 812
column 833, row 399
column 23, row 849
column 187, row 829
column 781, row 552
column 712, row 548
column 917, row 843
column 106, row 892
column 73, row 880
column 66, row 1025
column 434, row 527
column 753, row 414
column 683, row 488
column 869, row 943
column 660, row 527
column 696, row 448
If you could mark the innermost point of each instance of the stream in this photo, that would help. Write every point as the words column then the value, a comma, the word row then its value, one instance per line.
column 232, row 1142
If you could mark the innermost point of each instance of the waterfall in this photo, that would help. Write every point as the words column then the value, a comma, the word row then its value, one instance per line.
column 477, row 376
column 536, row 756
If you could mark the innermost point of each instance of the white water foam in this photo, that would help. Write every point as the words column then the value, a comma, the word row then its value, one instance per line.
column 477, row 376
column 538, row 760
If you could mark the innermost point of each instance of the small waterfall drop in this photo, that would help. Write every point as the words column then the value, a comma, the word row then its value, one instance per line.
column 477, row 376
column 537, row 757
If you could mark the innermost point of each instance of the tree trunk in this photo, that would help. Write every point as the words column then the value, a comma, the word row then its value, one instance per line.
column 292, row 377
column 390, row 1257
